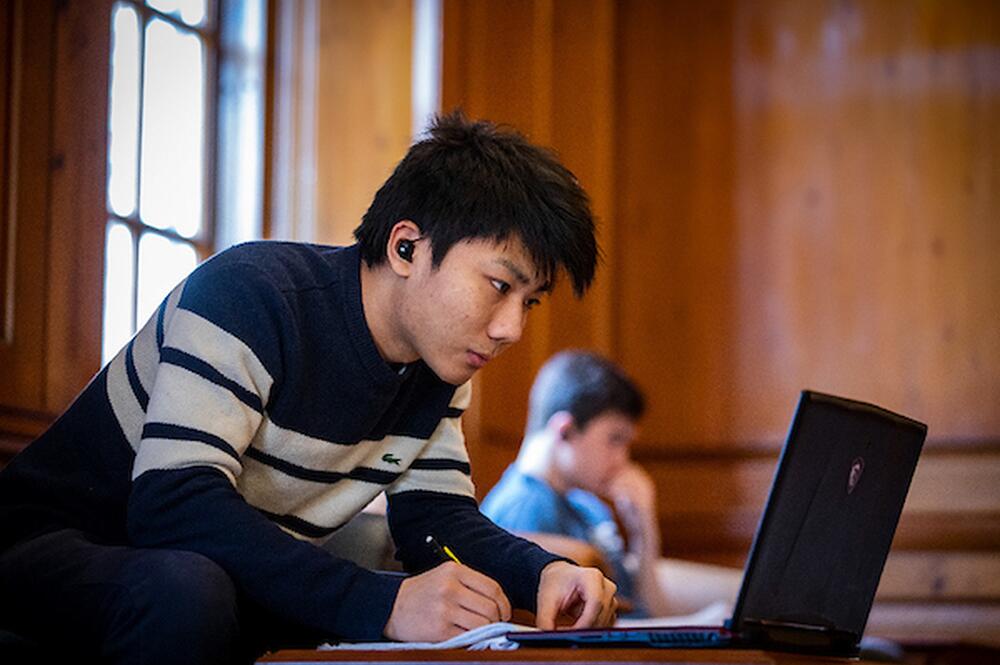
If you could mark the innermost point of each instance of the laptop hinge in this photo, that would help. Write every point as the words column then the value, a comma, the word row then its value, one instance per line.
column 801, row 637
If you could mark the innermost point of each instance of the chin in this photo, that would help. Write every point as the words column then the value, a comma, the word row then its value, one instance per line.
column 456, row 376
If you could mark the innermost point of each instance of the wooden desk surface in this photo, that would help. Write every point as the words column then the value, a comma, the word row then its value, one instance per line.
column 574, row 656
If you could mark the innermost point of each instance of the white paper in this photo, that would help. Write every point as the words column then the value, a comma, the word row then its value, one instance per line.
column 490, row 636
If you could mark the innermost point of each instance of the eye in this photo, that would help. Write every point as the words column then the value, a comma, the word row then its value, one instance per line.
column 500, row 285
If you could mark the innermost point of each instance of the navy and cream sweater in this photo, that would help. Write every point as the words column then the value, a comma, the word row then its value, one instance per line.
column 253, row 414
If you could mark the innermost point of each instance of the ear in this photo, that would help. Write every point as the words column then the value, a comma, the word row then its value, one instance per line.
column 403, row 230
column 561, row 424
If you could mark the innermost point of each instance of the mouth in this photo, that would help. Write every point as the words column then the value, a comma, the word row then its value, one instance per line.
column 477, row 360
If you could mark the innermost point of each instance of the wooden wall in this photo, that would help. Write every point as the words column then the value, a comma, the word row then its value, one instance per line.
column 362, row 107
column 53, row 118
column 791, row 195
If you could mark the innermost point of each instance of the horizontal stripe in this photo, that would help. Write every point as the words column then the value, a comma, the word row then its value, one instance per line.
column 447, row 481
column 141, row 395
column 160, row 313
column 123, row 402
column 400, row 498
column 363, row 474
column 299, row 525
column 332, row 455
column 181, row 433
column 442, row 464
column 226, row 353
column 452, row 412
column 198, row 366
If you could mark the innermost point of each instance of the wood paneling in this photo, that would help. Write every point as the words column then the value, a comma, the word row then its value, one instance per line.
column 29, row 43
column 712, row 504
column 55, row 86
column 489, row 54
column 867, row 142
column 547, row 69
column 951, row 576
column 790, row 195
column 362, row 107
column 676, row 226
column 77, row 212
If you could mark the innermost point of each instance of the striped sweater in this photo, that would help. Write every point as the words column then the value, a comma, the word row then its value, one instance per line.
column 253, row 415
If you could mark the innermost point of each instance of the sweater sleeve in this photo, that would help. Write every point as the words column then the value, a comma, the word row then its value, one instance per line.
column 198, row 510
column 220, row 360
column 516, row 564
column 435, row 497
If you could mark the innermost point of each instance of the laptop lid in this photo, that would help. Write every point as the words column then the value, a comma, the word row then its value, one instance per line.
column 831, row 514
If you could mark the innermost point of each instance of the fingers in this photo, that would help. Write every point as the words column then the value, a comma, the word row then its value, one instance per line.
column 443, row 602
column 592, row 609
column 600, row 606
column 581, row 594
column 610, row 612
column 546, row 611
column 485, row 589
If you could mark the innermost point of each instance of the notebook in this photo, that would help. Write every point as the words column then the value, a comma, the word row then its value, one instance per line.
column 821, row 543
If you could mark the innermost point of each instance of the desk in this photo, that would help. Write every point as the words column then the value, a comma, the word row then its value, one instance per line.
column 569, row 656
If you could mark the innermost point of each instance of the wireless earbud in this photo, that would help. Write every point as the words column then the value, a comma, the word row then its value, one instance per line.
column 405, row 250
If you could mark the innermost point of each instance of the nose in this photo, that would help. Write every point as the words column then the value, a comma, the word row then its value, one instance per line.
column 507, row 324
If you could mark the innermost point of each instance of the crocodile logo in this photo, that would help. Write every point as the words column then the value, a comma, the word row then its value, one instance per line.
column 389, row 458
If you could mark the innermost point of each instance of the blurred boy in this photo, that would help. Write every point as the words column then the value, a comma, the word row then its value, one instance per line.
column 582, row 418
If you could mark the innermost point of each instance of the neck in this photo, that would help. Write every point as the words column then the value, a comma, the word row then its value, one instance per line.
column 537, row 459
column 380, row 301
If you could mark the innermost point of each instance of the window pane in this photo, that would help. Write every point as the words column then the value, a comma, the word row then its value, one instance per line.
column 191, row 12
column 123, row 121
column 118, row 263
column 163, row 263
column 173, row 130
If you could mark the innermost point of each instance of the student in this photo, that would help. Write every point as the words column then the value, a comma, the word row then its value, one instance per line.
column 166, row 517
column 582, row 417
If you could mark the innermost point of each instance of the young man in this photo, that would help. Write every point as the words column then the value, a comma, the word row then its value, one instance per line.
column 582, row 418
column 166, row 516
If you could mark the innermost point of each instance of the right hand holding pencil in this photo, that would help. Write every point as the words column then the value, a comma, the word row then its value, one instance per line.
column 443, row 602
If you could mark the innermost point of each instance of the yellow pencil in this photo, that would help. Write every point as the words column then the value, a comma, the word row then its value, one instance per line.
column 442, row 552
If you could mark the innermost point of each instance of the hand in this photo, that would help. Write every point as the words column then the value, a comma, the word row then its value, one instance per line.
column 634, row 495
column 582, row 596
column 444, row 602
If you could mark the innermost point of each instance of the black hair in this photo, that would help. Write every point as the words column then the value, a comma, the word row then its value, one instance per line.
column 586, row 386
column 473, row 179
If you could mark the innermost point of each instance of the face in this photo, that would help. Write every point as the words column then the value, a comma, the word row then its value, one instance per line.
column 462, row 314
column 598, row 452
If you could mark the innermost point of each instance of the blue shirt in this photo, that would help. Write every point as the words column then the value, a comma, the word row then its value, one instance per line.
column 520, row 502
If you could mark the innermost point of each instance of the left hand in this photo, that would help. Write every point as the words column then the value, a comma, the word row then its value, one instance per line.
column 634, row 495
column 580, row 595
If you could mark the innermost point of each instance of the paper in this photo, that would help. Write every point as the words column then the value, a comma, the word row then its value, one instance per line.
column 710, row 615
column 490, row 636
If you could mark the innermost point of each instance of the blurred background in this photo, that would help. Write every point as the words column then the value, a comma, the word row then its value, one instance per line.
column 790, row 195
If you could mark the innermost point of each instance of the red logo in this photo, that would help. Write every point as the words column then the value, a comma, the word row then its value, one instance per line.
column 857, row 467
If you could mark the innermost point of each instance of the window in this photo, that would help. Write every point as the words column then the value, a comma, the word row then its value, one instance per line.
column 185, row 157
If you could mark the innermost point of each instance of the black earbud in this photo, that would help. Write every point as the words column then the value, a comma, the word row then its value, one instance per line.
column 405, row 250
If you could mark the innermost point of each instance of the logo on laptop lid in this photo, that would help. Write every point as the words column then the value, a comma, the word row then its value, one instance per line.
column 857, row 468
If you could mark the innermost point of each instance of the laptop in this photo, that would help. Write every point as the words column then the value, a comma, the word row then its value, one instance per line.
column 819, row 550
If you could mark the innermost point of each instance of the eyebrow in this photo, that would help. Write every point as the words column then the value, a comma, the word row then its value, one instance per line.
column 520, row 276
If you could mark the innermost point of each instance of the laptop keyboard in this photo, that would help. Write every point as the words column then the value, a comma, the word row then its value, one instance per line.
column 687, row 637
column 657, row 638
